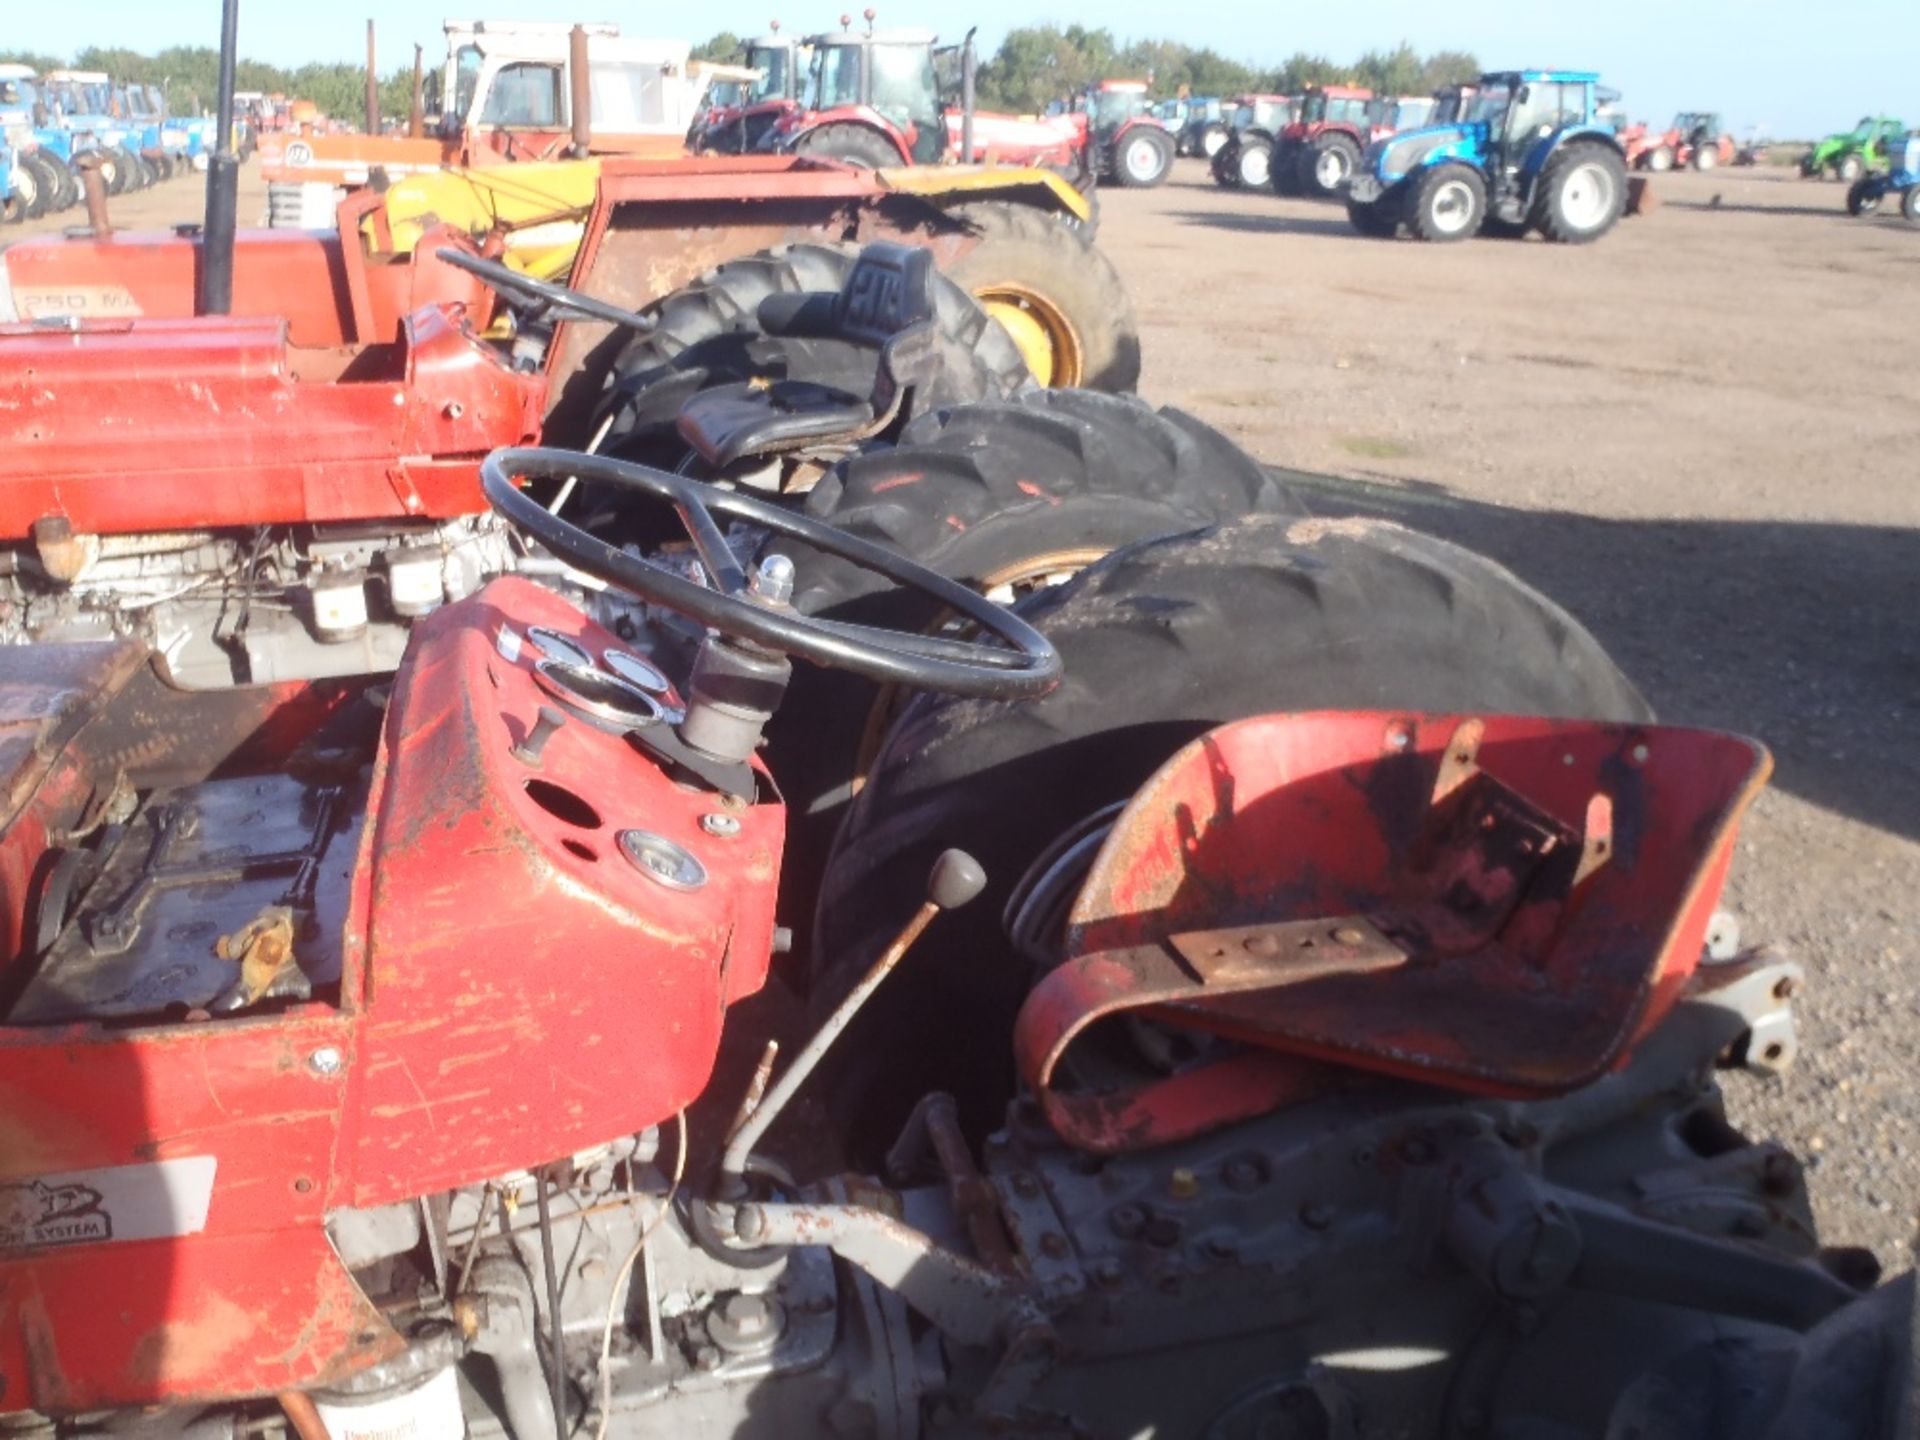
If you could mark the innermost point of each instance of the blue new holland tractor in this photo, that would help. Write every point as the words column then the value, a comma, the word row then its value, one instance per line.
column 1901, row 181
column 1531, row 152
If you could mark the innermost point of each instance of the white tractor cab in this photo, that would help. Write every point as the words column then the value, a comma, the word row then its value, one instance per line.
column 508, row 76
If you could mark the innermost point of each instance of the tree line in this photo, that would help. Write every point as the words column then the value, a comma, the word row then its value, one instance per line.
column 1037, row 64
column 190, row 75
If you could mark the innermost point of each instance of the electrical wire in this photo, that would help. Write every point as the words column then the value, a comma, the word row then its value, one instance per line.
column 626, row 1271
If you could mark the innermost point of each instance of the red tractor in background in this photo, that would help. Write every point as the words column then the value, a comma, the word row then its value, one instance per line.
column 1127, row 143
column 875, row 100
column 748, row 126
column 1318, row 153
column 1244, row 161
column 1695, row 140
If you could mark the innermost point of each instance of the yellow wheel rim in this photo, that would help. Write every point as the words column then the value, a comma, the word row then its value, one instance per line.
column 1045, row 337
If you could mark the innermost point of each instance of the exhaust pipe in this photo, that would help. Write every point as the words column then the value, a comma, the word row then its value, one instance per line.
column 580, row 84
column 967, row 68
column 417, row 115
column 373, row 85
column 223, row 182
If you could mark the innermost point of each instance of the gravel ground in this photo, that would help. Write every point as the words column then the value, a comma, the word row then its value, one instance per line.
column 1699, row 436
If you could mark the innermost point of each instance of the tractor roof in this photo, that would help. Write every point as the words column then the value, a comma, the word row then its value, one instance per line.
column 525, row 27
column 80, row 77
column 1123, row 87
column 1343, row 92
column 16, row 72
column 878, row 37
column 1523, row 77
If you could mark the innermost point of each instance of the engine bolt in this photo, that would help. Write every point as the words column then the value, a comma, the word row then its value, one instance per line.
column 1316, row 1216
column 1183, row 1184
column 1243, row 1173
column 1053, row 1245
column 325, row 1062
column 1025, row 1186
column 1348, row 935
column 724, row 826
column 1107, row 1273
column 1263, row 944
column 1127, row 1221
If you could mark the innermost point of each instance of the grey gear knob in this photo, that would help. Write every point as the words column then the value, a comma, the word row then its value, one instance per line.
column 956, row 879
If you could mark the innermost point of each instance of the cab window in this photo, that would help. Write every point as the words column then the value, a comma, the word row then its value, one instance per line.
column 627, row 96
column 524, row 96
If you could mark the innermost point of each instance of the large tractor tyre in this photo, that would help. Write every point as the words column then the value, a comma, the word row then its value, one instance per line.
column 30, row 188
column 1863, row 198
column 1583, row 193
column 1706, row 157
column 1659, row 159
column 709, row 334
column 113, row 171
column 1160, row 643
column 855, row 144
column 1329, row 165
column 1378, row 219
column 1144, row 158
column 1254, row 164
column 1849, row 168
column 1009, row 498
column 1910, row 204
column 66, row 193
column 1226, row 166
column 1055, row 292
column 1448, row 203
column 1211, row 139
column 53, row 178
column 12, row 211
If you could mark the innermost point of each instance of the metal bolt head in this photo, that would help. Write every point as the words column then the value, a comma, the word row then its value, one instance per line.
column 1107, row 1273
column 773, row 580
column 1127, row 1221
column 749, row 1315
column 1053, row 1245
column 1316, row 1216
column 1348, row 935
column 1243, row 1173
column 326, row 1062
column 724, row 826
column 1183, row 1184
column 1025, row 1186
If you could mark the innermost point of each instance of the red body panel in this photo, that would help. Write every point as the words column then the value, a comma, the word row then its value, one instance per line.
column 504, row 1000
column 209, row 423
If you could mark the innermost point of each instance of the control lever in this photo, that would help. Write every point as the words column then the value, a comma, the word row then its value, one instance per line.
column 956, row 879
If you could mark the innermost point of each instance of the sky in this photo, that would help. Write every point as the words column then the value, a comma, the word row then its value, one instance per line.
column 1790, row 69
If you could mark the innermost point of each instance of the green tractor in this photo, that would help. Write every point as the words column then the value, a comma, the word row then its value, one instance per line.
column 1855, row 153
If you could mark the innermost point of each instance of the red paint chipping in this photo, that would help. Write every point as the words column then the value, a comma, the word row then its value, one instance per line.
column 957, row 522
column 1027, row 487
column 913, row 477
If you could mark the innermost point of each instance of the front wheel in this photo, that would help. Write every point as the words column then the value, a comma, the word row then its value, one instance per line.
column 1226, row 167
column 1706, row 157
column 1145, row 158
column 1863, row 198
column 853, row 144
column 1330, row 165
column 1660, row 159
column 1253, row 165
column 29, row 187
column 1212, row 139
column 1850, row 169
column 1377, row 219
column 1449, row 203
column 1582, row 195
column 1910, row 204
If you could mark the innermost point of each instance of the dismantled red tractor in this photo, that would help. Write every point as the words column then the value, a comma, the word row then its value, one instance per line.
column 400, row 1058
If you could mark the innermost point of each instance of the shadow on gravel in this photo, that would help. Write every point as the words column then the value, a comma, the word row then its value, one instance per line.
column 1334, row 223
column 1835, row 211
column 1805, row 636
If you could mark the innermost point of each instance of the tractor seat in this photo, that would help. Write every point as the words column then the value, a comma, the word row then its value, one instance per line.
column 887, row 302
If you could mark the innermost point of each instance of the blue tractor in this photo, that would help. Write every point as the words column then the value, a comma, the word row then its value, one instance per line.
column 1532, row 151
column 1902, row 181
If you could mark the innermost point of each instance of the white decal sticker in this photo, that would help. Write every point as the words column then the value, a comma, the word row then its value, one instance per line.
column 125, row 1202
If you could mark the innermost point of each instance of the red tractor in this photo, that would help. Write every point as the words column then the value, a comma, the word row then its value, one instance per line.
column 1244, row 161
column 1318, row 153
column 1129, row 144
column 747, row 126
column 874, row 99
column 1694, row 141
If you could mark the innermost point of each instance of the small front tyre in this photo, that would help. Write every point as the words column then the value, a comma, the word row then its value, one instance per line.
column 1254, row 164
column 1910, row 204
column 1449, row 203
column 1145, row 157
column 1864, row 198
column 1377, row 219
column 1850, row 169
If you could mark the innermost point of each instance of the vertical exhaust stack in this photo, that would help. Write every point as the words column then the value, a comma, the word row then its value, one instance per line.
column 223, row 182
column 417, row 113
column 373, row 85
column 967, row 71
column 580, row 84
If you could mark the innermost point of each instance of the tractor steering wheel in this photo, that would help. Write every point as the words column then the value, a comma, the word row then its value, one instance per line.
column 732, row 606
column 557, row 301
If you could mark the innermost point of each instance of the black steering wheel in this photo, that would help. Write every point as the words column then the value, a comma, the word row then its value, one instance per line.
column 730, row 605
column 557, row 301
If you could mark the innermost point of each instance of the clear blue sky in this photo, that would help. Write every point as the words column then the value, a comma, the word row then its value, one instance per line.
column 1795, row 69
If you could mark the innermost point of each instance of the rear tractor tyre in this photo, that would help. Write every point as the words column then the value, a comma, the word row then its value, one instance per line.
column 1850, row 169
column 1660, row 159
column 30, row 188
column 1161, row 642
column 1056, row 293
column 12, row 212
column 1329, row 165
column 855, row 144
column 1448, row 203
column 1910, row 204
column 1211, row 139
column 1254, row 165
column 1145, row 158
column 1706, row 157
column 1226, row 167
column 1009, row 498
column 1583, row 194
column 66, row 188
column 1863, row 197
column 709, row 334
